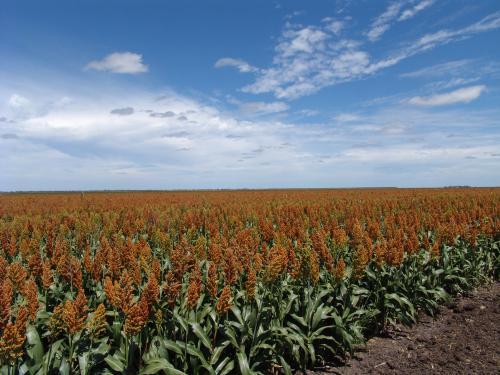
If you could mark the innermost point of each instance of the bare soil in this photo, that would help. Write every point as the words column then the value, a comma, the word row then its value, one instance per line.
column 463, row 339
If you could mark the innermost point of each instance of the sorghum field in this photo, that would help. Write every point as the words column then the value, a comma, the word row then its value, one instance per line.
column 231, row 281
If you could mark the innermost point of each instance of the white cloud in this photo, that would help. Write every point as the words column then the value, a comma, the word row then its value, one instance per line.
column 450, row 67
column 63, row 101
column 346, row 117
column 305, row 40
column 239, row 64
column 308, row 112
column 18, row 101
column 463, row 95
column 306, row 59
column 309, row 58
column 440, row 37
column 335, row 27
column 454, row 82
column 392, row 14
column 215, row 148
column 382, row 23
column 409, row 13
column 120, row 62
column 263, row 107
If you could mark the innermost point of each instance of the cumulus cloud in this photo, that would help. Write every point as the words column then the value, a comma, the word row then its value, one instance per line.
column 99, row 150
column 305, row 40
column 309, row 58
column 239, row 64
column 122, row 111
column 18, row 101
column 335, row 26
column 119, row 62
column 463, row 95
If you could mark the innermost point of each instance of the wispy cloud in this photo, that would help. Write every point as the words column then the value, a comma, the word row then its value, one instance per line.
column 119, row 62
column 412, row 12
column 383, row 22
column 455, row 73
column 393, row 13
column 463, row 95
column 239, row 64
column 431, row 40
column 309, row 58
column 450, row 67
column 346, row 117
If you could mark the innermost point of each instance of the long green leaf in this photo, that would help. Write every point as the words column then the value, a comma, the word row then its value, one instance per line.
column 200, row 333
column 160, row 364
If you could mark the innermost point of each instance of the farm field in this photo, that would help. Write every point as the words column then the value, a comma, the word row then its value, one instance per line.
column 436, row 344
column 224, row 282
column 249, row 187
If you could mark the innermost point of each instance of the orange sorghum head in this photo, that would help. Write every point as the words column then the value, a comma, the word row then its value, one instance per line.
column 73, row 320
column 194, row 289
column 96, row 325
column 224, row 301
column 251, row 283
column 339, row 270
column 135, row 320
column 212, row 280
column 11, row 344
column 30, row 292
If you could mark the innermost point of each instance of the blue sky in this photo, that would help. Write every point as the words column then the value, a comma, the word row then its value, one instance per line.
column 233, row 94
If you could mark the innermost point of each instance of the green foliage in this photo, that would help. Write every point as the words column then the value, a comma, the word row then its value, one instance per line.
column 288, row 325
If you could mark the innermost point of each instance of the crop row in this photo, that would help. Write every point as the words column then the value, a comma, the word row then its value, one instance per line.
column 228, row 282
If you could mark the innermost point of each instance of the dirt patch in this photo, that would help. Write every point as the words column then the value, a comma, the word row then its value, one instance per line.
column 463, row 339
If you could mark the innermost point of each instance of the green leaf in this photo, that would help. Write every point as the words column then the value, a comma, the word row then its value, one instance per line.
column 225, row 367
column 102, row 348
column 232, row 336
column 54, row 349
column 320, row 314
column 83, row 361
column 23, row 369
column 115, row 363
column 299, row 319
column 200, row 333
column 194, row 351
column 286, row 367
column 218, row 351
column 36, row 348
column 173, row 346
column 243, row 364
column 160, row 364
column 237, row 313
column 64, row 369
